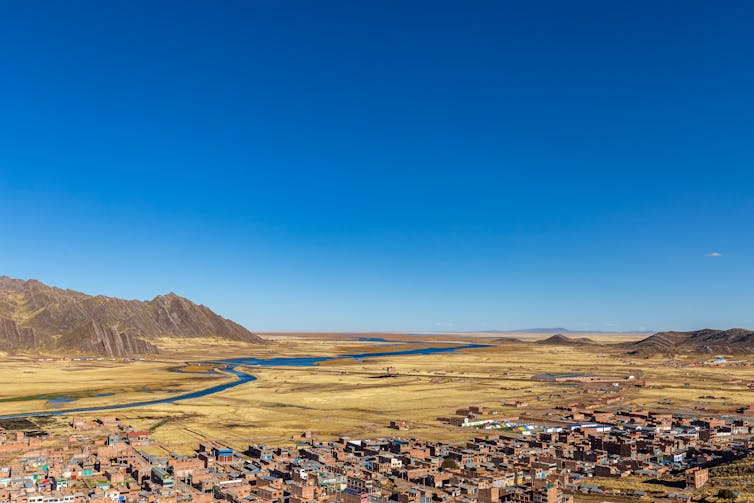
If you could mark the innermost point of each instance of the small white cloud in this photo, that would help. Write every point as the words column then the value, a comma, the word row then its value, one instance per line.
column 714, row 254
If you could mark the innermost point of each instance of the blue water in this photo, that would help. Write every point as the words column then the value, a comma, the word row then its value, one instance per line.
column 313, row 360
column 243, row 378
column 61, row 400
column 417, row 351
column 307, row 361
column 380, row 339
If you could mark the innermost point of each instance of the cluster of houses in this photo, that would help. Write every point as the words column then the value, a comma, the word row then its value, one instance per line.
column 581, row 378
column 107, row 460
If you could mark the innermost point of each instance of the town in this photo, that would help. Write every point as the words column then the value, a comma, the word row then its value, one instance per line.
column 377, row 252
column 106, row 459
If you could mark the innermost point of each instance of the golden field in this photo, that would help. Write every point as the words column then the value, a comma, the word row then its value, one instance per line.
column 346, row 397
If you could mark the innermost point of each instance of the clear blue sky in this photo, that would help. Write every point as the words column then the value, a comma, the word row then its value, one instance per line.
column 386, row 165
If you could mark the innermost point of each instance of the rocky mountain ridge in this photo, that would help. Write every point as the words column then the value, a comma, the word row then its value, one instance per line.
column 732, row 341
column 37, row 318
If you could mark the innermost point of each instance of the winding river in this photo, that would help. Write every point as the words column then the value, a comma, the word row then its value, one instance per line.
column 243, row 377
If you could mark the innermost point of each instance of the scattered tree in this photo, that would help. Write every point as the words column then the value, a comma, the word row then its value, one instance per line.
column 727, row 494
column 449, row 464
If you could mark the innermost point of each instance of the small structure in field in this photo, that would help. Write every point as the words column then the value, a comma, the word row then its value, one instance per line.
column 399, row 425
column 696, row 477
column 574, row 377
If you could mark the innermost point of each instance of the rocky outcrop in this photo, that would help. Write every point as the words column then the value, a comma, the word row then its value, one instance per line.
column 179, row 317
column 93, row 338
column 15, row 338
column 40, row 316
column 733, row 341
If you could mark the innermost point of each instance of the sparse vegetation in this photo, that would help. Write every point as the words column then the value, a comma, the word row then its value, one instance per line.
column 727, row 494
column 449, row 464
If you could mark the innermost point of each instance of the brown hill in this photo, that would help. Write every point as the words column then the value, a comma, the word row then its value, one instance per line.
column 735, row 340
column 562, row 340
column 36, row 318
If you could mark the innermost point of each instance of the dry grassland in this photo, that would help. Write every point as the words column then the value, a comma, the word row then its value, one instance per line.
column 348, row 397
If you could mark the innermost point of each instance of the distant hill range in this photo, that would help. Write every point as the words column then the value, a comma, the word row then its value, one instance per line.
column 735, row 340
column 37, row 318
column 556, row 331
column 562, row 340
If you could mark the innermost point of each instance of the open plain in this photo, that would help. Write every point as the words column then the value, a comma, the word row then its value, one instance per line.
column 346, row 396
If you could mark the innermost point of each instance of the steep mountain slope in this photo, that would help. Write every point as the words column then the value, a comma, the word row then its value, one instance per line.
column 35, row 317
column 92, row 337
column 735, row 340
column 14, row 337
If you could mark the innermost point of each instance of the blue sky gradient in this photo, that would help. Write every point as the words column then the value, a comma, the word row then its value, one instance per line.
column 386, row 165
